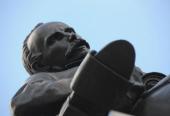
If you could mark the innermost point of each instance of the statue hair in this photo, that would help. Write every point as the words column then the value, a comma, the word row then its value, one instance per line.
column 29, row 60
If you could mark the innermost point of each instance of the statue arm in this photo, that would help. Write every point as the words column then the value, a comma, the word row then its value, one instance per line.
column 42, row 94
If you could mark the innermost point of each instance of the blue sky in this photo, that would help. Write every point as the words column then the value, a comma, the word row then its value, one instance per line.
column 145, row 23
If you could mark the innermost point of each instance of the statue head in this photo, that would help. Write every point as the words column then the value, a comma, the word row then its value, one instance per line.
column 52, row 47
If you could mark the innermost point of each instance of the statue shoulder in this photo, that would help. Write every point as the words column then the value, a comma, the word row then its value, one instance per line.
column 42, row 76
column 52, row 76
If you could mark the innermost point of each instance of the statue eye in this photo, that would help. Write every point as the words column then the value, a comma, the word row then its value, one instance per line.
column 70, row 30
column 55, row 37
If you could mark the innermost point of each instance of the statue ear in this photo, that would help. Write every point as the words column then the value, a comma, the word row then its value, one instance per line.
column 37, row 65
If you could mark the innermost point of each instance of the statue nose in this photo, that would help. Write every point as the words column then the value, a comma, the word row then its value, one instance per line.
column 72, row 37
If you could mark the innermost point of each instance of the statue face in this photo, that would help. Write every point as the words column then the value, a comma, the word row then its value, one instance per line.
column 58, row 44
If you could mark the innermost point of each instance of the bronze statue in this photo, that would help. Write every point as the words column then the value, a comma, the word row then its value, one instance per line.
column 107, row 80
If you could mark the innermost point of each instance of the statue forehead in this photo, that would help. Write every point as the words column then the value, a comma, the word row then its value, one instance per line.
column 51, row 26
column 43, row 31
column 48, row 28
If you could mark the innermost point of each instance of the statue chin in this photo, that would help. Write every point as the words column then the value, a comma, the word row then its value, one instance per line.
column 75, row 58
column 77, row 55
